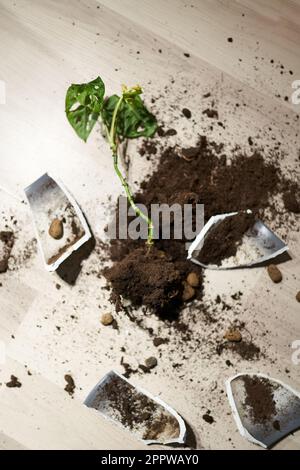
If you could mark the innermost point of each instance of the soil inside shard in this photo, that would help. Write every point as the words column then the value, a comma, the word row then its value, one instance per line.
column 224, row 238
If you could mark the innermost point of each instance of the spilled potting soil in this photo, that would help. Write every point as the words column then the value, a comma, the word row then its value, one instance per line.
column 14, row 251
column 202, row 174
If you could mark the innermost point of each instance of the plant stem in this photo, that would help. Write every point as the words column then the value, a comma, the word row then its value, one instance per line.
column 111, row 135
column 136, row 209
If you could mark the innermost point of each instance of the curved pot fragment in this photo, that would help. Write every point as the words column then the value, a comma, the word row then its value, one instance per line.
column 265, row 409
column 258, row 244
column 136, row 410
column 50, row 202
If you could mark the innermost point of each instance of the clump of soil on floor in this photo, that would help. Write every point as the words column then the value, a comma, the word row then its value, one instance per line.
column 137, row 412
column 259, row 399
column 208, row 418
column 224, row 238
column 146, row 277
column 7, row 240
column 14, row 382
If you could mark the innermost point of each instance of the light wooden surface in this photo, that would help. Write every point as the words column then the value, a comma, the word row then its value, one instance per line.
column 45, row 46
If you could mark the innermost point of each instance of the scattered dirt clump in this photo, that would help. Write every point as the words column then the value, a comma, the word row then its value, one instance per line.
column 151, row 362
column 211, row 113
column 187, row 113
column 159, row 341
column 291, row 199
column 208, row 418
column 70, row 387
column 14, row 382
column 7, row 241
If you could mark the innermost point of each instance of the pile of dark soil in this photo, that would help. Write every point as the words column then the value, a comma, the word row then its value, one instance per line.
column 259, row 399
column 201, row 174
column 224, row 239
column 245, row 182
column 149, row 277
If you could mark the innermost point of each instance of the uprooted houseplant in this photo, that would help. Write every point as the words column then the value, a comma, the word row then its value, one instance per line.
column 147, row 275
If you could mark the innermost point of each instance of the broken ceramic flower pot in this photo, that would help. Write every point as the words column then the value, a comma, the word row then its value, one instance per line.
column 147, row 417
column 265, row 410
column 59, row 222
column 257, row 244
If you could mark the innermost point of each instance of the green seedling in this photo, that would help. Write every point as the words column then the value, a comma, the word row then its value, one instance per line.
column 123, row 117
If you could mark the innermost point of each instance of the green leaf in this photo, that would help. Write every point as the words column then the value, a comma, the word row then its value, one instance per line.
column 83, row 106
column 134, row 120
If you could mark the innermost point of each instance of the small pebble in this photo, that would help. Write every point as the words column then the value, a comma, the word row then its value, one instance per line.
column 274, row 273
column 151, row 362
column 233, row 335
column 298, row 296
column 107, row 319
column 188, row 292
column 193, row 280
column 56, row 229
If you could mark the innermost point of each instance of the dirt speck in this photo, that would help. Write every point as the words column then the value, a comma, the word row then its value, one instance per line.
column 14, row 382
column 70, row 387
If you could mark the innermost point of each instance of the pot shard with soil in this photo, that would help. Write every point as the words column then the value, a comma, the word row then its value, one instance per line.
column 60, row 224
column 235, row 240
column 147, row 417
column 265, row 410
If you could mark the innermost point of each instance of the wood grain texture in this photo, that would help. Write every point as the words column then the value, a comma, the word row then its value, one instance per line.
column 265, row 30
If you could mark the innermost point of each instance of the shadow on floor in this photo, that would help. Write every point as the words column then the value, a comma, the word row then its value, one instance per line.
column 70, row 269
